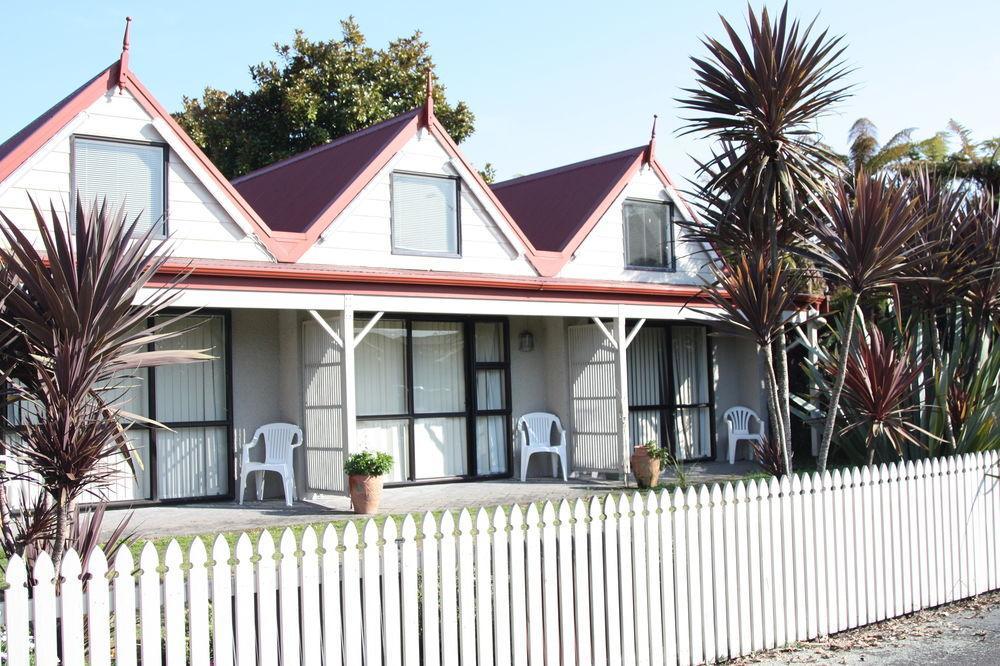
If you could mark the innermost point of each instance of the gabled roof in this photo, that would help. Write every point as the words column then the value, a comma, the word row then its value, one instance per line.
column 293, row 194
column 552, row 206
column 558, row 208
column 16, row 150
column 301, row 196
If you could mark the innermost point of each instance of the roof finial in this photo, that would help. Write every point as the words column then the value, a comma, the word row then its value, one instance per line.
column 123, row 61
column 652, row 141
column 429, row 98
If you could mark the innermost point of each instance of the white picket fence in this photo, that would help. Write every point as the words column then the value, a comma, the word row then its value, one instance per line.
column 686, row 577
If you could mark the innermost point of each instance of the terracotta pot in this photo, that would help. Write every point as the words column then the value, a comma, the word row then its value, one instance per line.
column 645, row 469
column 366, row 492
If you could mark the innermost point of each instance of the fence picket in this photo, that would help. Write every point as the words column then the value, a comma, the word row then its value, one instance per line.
column 44, row 606
column 640, row 598
column 718, row 550
column 222, row 603
column 533, row 586
column 612, row 582
column 409, row 595
column 550, row 585
column 371, row 593
column 732, row 574
column 667, row 593
column 467, row 589
column 71, row 607
column 626, row 592
column 431, row 590
column 681, row 614
column 484, row 588
column 244, row 617
column 449, row 599
column 653, row 555
column 98, row 610
column 788, row 560
column 856, row 557
column 522, row 626
column 896, row 537
column 564, row 535
column 197, row 586
column 822, row 510
column 288, row 600
column 597, row 605
column 149, row 606
column 581, row 582
column 756, row 575
column 173, row 605
column 392, row 619
column 353, row 617
column 309, row 582
column 267, row 600
column 332, row 600
column 695, row 591
column 17, row 612
column 809, row 550
column 778, row 571
column 878, row 545
column 910, row 561
column 501, row 588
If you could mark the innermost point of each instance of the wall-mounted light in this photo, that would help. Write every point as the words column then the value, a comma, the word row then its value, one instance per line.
column 526, row 341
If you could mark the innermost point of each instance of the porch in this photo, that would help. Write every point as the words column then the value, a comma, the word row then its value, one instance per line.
column 440, row 384
column 176, row 520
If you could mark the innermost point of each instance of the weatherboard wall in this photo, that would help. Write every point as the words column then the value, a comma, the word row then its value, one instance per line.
column 198, row 225
column 601, row 255
column 361, row 235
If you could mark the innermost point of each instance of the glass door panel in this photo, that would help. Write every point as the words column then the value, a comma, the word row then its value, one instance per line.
column 440, row 447
column 438, row 367
column 388, row 436
column 380, row 368
column 491, row 445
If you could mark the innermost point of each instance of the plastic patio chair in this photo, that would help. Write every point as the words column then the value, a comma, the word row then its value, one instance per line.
column 534, row 432
column 280, row 442
column 738, row 422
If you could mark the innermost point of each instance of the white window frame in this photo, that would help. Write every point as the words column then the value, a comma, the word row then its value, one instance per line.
column 458, row 216
column 163, row 217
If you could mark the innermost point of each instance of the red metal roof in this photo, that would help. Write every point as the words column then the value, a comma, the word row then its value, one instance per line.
column 552, row 206
column 292, row 194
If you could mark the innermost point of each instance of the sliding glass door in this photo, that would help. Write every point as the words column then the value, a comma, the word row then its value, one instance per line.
column 670, row 390
column 435, row 394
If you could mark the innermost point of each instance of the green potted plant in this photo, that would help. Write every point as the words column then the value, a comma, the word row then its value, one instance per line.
column 646, row 462
column 364, row 479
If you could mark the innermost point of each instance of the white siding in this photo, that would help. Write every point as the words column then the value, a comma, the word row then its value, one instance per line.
column 360, row 236
column 198, row 224
column 601, row 256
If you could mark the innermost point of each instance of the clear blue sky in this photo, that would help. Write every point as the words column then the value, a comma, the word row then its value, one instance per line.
column 550, row 82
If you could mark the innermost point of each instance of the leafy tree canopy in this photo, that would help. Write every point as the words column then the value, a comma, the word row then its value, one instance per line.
column 313, row 93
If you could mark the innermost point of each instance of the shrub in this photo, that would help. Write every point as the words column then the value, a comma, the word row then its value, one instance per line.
column 369, row 463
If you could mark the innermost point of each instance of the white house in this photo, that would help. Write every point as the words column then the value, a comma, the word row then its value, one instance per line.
column 376, row 291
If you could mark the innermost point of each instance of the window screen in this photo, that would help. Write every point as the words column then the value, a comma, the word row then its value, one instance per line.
column 126, row 174
column 424, row 214
column 648, row 236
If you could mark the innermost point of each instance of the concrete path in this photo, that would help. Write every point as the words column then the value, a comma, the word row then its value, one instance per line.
column 966, row 633
column 210, row 517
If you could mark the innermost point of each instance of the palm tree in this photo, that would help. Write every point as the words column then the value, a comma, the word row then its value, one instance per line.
column 758, row 99
column 863, row 240
column 77, row 330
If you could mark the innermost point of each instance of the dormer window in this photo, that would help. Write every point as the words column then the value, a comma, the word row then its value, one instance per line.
column 649, row 235
column 425, row 219
column 126, row 173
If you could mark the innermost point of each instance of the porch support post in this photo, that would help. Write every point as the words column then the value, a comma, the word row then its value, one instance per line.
column 621, row 375
column 812, row 331
column 350, row 403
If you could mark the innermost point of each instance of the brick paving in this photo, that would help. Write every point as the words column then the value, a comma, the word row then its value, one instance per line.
column 205, row 518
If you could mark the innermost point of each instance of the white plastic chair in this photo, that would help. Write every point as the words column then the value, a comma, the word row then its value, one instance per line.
column 534, row 432
column 738, row 422
column 280, row 442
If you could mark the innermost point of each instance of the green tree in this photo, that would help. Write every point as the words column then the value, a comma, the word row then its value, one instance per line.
column 313, row 93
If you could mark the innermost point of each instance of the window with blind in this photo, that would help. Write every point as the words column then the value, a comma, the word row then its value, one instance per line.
column 649, row 240
column 425, row 215
column 124, row 174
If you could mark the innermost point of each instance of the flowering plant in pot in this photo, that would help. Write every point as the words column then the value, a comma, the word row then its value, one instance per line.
column 646, row 462
column 364, row 479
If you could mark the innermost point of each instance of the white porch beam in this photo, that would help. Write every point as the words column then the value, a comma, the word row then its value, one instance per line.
column 350, row 399
column 634, row 332
column 368, row 327
column 326, row 327
column 621, row 375
column 604, row 329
